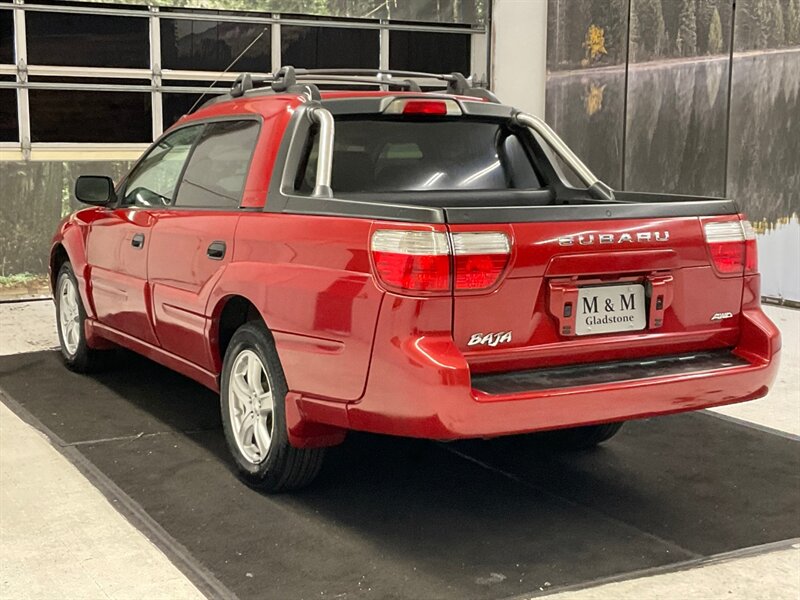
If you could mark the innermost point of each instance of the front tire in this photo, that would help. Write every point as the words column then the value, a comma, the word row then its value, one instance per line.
column 252, row 393
column 71, row 324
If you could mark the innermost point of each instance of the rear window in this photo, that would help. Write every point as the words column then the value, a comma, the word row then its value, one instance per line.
column 403, row 155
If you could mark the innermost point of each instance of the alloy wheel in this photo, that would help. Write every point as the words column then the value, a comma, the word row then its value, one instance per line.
column 251, row 405
column 69, row 317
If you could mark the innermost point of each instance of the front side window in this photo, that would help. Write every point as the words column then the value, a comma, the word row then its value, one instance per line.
column 154, row 180
column 217, row 170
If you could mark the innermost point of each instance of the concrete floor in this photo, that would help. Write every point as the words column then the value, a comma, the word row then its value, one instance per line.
column 61, row 538
column 781, row 408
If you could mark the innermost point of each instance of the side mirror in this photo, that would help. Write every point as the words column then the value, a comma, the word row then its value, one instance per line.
column 96, row 190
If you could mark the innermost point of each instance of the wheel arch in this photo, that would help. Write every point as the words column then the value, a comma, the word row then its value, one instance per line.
column 69, row 244
column 58, row 256
column 230, row 313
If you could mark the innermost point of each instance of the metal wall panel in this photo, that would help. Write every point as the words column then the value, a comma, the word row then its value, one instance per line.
column 652, row 96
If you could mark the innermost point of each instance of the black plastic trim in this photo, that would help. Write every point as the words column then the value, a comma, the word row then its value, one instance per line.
column 590, row 212
column 605, row 372
column 460, row 199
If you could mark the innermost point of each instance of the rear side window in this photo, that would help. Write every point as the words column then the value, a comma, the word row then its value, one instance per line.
column 380, row 155
column 218, row 166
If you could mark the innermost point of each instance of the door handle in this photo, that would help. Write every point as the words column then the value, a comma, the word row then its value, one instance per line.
column 137, row 241
column 216, row 251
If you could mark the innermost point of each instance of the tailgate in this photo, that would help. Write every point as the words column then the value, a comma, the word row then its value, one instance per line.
column 601, row 290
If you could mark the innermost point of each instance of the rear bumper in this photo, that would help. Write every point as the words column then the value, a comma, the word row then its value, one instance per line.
column 423, row 388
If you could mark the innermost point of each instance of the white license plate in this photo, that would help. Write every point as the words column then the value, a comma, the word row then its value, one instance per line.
column 610, row 308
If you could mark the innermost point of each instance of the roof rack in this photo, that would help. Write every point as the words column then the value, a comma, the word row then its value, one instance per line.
column 304, row 81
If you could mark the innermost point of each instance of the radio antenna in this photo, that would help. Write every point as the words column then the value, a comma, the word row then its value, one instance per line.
column 228, row 68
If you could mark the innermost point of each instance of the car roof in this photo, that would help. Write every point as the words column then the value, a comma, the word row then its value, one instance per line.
column 266, row 103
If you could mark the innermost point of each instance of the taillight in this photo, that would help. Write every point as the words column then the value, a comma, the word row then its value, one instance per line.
column 419, row 261
column 750, row 248
column 732, row 245
column 480, row 259
column 416, row 261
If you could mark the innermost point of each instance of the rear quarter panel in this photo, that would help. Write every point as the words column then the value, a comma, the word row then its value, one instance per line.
column 310, row 279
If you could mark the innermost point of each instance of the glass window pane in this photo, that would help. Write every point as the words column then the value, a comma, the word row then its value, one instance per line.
column 154, row 180
column 431, row 52
column 518, row 165
column 9, row 127
column 330, row 47
column 78, row 40
column 218, row 168
column 176, row 105
column 212, row 46
column 7, row 37
column 403, row 155
column 83, row 116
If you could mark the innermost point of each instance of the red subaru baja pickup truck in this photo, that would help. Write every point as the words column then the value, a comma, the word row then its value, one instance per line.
column 426, row 264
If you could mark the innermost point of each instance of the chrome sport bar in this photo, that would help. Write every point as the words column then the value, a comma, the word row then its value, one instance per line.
column 324, row 119
column 596, row 187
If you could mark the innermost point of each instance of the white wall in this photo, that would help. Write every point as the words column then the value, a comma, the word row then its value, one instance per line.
column 519, row 53
column 778, row 250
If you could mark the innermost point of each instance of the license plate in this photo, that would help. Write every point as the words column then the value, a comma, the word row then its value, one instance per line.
column 610, row 308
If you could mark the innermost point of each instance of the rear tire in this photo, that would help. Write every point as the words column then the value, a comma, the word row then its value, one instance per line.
column 582, row 438
column 252, row 393
column 71, row 325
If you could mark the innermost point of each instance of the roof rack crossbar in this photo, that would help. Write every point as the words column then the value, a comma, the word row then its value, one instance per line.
column 279, row 86
column 381, row 73
column 288, row 79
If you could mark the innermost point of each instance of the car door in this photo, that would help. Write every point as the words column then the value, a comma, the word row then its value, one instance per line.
column 192, row 240
column 118, row 245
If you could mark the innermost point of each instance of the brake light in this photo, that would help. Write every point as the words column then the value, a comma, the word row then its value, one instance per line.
column 424, row 107
column 480, row 259
column 732, row 245
column 411, row 106
column 420, row 261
